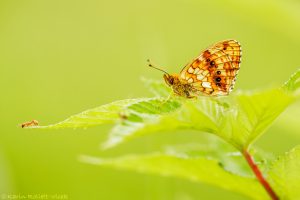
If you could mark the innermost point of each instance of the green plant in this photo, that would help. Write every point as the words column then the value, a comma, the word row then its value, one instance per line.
column 238, row 119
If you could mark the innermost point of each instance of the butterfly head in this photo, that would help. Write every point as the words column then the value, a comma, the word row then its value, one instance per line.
column 171, row 79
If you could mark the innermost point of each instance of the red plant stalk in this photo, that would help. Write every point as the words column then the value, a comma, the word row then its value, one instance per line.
column 259, row 175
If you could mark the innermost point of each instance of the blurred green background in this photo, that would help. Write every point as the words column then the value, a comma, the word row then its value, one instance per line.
column 60, row 57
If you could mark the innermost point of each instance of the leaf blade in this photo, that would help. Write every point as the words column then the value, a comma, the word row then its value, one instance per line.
column 104, row 114
column 193, row 169
column 285, row 175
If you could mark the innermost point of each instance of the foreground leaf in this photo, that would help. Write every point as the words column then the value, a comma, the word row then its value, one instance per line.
column 198, row 169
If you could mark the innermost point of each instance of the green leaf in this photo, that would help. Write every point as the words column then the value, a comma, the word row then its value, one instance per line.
column 104, row 114
column 285, row 175
column 197, row 169
column 214, row 148
column 238, row 119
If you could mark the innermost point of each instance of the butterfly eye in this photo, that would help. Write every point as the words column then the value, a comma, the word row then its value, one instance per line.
column 171, row 80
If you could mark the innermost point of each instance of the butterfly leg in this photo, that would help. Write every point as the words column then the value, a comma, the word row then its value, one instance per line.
column 166, row 100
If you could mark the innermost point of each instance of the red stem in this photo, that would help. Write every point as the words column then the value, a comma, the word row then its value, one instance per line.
column 259, row 175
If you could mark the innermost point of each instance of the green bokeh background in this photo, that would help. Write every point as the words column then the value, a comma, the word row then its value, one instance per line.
column 58, row 58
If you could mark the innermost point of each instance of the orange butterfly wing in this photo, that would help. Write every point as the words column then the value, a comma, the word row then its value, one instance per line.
column 214, row 71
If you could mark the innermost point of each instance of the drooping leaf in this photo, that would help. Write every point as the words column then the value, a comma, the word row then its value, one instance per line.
column 214, row 148
column 285, row 175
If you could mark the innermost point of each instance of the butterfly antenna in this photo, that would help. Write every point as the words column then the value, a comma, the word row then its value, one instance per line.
column 150, row 65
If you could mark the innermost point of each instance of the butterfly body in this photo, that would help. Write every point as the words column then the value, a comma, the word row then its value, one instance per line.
column 179, row 87
column 212, row 73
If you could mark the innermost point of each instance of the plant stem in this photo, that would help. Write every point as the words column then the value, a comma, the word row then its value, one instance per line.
column 259, row 175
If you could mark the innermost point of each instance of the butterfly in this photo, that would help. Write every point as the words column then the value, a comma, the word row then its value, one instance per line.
column 212, row 73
